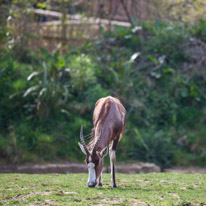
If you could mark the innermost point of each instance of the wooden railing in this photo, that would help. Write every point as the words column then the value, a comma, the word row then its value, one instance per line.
column 78, row 29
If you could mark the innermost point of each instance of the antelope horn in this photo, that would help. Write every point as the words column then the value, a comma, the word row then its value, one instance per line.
column 97, row 142
column 82, row 140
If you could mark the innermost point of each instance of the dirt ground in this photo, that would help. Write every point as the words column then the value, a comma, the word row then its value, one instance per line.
column 68, row 167
column 189, row 170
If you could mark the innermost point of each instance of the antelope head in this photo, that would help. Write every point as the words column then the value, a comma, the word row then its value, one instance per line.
column 94, row 159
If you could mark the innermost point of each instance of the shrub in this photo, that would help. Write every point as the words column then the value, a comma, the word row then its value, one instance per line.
column 152, row 69
column 153, row 146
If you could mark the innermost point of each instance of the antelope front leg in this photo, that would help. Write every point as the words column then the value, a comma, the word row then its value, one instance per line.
column 112, row 162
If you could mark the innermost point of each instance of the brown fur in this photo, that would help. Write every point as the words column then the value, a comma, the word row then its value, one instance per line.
column 100, row 115
column 110, row 115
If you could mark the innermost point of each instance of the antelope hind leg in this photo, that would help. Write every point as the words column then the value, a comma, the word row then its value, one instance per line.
column 100, row 181
column 112, row 154
column 112, row 162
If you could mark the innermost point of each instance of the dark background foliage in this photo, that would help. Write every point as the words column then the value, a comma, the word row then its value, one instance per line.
column 156, row 70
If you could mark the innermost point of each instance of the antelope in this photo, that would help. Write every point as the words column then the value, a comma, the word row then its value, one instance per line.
column 109, row 120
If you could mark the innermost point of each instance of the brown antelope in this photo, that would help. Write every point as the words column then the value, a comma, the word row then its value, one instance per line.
column 109, row 119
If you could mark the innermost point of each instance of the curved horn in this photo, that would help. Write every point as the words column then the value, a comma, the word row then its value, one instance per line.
column 97, row 142
column 82, row 140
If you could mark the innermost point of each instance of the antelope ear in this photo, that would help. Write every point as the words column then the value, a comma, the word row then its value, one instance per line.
column 104, row 152
column 82, row 148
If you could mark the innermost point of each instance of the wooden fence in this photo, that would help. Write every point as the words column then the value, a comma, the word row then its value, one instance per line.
column 82, row 20
column 48, row 34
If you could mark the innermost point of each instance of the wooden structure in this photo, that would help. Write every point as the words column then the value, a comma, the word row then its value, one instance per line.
column 78, row 29
column 80, row 22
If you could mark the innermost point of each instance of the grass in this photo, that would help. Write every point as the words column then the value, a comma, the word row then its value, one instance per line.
column 70, row 189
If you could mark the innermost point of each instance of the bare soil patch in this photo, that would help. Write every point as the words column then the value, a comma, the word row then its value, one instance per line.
column 22, row 196
column 188, row 170
column 68, row 167
column 65, row 168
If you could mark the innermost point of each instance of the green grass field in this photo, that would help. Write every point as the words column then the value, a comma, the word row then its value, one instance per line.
column 139, row 189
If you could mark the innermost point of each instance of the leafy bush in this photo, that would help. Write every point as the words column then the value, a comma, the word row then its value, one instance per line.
column 199, row 30
column 153, row 146
column 153, row 69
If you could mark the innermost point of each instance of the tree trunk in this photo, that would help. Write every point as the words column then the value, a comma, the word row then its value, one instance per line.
column 63, row 10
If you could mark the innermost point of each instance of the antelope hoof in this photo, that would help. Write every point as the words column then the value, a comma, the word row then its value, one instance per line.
column 100, row 185
column 114, row 186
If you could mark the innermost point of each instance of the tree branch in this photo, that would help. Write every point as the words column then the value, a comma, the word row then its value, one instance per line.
column 127, row 12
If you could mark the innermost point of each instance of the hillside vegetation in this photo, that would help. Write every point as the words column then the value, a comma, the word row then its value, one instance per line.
column 156, row 70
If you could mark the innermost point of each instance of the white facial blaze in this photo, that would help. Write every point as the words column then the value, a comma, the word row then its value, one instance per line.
column 92, row 173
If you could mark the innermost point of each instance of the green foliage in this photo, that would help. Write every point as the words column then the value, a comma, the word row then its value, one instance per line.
column 46, row 97
column 199, row 30
column 82, row 70
column 153, row 146
column 12, row 81
column 48, row 86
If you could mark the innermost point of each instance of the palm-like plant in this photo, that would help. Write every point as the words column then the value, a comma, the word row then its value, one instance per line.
column 49, row 85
